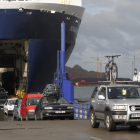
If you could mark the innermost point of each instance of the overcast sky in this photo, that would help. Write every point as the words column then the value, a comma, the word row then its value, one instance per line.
column 108, row 27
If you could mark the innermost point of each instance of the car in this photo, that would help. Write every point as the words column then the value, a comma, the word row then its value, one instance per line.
column 3, row 97
column 54, row 107
column 17, row 106
column 9, row 106
column 115, row 104
column 28, row 105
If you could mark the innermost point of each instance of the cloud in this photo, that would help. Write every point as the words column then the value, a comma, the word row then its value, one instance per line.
column 114, row 29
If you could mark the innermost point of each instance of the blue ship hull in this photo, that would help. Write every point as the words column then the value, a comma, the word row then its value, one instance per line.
column 43, row 30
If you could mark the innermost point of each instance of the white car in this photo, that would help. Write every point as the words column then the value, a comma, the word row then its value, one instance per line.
column 16, row 112
column 9, row 106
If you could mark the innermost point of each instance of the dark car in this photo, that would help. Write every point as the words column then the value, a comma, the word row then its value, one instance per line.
column 54, row 107
column 3, row 97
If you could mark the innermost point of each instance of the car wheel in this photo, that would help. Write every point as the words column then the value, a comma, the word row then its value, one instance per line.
column 71, row 118
column 7, row 113
column 27, row 118
column 133, row 126
column 110, row 124
column 62, row 118
column 4, row 111
column 41, row 116
column 93, row 119
column 13, row 116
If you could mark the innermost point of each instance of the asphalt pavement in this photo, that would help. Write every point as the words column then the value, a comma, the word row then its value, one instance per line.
column 61, row 130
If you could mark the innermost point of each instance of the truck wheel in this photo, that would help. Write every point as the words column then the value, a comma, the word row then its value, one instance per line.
column 27, row 118
column 110, row 124
column 93, row 119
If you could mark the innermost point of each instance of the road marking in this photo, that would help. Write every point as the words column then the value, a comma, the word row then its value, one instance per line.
column 95, row 138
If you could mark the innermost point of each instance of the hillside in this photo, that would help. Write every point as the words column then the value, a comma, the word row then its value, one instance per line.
column 79, row 72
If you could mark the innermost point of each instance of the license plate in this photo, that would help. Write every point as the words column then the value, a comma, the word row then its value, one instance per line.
column 59, row 111
column 135, row 115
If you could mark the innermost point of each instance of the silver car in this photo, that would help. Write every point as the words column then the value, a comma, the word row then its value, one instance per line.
column 16, row 112
column 115, row 105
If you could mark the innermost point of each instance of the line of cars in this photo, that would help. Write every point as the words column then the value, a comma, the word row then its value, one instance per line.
column 36, row 106
column 48, row 105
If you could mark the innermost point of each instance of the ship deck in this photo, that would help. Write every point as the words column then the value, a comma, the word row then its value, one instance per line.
column 61, row 130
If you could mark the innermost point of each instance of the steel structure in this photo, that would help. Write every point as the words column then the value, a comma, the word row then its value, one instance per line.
column 67, row 89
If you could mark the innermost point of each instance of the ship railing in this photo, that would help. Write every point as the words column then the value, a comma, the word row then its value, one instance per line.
column 66, row 2
column 23, row 0
column 46, row 1
column 81, row 110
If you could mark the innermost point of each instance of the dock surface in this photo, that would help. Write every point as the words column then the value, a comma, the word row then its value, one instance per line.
column 61, row 130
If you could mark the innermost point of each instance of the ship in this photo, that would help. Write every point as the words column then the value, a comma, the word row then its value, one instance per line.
column 30, row 35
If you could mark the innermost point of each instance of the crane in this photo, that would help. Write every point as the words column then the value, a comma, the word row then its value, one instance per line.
column 134, row 55
column 100, row 68
column 97, row 64
column 132, row 65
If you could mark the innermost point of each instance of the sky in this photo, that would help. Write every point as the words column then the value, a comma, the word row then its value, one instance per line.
column 109, row 27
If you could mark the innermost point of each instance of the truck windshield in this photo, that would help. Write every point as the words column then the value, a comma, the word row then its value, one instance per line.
column 123, row 92
column 33, row 101
column 54, row 100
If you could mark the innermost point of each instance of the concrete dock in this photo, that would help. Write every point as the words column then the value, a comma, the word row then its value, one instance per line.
column 61, row 130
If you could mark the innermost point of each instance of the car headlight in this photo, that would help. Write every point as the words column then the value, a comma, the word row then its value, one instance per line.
column 48, row 107
column 31, row 110
column 119, row 107
column 70, row 107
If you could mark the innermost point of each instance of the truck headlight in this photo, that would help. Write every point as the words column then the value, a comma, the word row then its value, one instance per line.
column 70, row 107
column 48, row 107
column 119, row 107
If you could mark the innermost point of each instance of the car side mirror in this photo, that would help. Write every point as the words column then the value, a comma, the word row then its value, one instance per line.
column 6, row 92
column 15, row 105
column 71, row 102
column 24, row 104
column 101, row 97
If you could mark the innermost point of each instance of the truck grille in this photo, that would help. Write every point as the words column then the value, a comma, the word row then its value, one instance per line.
column 137, row 107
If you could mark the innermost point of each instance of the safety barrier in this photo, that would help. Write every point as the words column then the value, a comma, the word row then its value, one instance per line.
column 81, row 110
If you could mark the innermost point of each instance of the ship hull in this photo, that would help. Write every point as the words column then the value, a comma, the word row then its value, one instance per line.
column 43, row 30
column 42, row 62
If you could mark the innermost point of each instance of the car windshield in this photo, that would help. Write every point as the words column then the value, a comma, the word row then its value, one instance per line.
column 33, row 101
column 2, row 90
column 3, row 96
column 11, row 102
column 123, row 92
column 50, row 100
